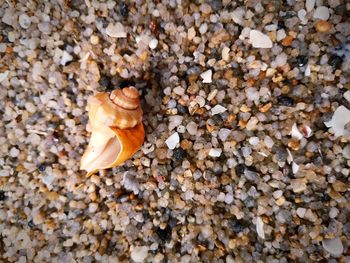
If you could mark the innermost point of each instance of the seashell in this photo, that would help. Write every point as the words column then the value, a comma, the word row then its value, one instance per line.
column 116, row 129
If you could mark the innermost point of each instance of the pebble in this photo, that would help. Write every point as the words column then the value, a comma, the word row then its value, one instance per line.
column 191, row 33
column 298, row 185
column 116, row 30
column 321, row 12
column 323, row 26
column 172, row 141
column 93, row 207
column 260, row 228
column 224, row 133
column 302, row 16
column 259, row 40
column 66, row 57
column 14, row 152
column 3, row 75
column 309, row 5
column 24, row 21
column 333, row 246
column 206, row 76
column 217, row 109
column 192, row 128
column 94, row 40
column 215, row 152
column 225, row 53
column 153, row 43
column 335, row 61
column 139, row 253
column 301, row 211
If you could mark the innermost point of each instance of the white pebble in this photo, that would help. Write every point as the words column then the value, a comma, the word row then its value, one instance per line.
column 224, row 133
column 268, row 142
column 93, row 207
column 301, row 212
column 260, row 228
column 218, row 109
column 333, row 246
column 153, row 43
column 321, row 12
column 228, row 198
column 206, row 76
column 307, row 71
column 254, row 140
column 179, row 90
column 259, row 40
column 172, row 141
column 281, row 34
column 139, row 254
column 192, row 128
column 309, row 5
column 24, row 21
column 116, row 30
column 66, row 57
column 4, row 75
column 302, row 16
column 295, row 133
column 30, row 107
column 225, row 53
column 215, row 152
column 14, row 152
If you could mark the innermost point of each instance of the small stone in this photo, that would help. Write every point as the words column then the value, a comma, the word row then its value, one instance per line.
column 94, row 40
column 66, row 57
column 309, row 5
column 259, row 40
column 3, row 75
column 30, row 107
column 172, row 141
column 323, row 26
column 339, row 186
column 179, row 154
column 225, row 53
column 287, row 41
column 224, row 133
column 191, row 33
column 139, row 254
column 206, row 76
column 333, row 246
column 260, row 228
column 116, row 30
column 192, row 128
column 215, row 152
column 217, row 110
column 335, row 61
column 298, row 185
column 153, row 43
column 124, row 9
column 301, row 212
column 301, row 14
column 252, row 124
column 286, row 101
column 301, row 60
column 14, row 152
column 93, row 207
column 2, row 195
column 321, row 12
column 24, row 21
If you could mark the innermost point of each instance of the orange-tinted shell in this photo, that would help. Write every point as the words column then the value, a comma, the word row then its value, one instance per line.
column 117, row 129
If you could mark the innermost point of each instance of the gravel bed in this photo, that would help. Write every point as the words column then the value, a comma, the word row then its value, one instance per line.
column 246, row 112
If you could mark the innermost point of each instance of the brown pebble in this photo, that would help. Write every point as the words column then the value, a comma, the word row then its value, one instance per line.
column 339, row 186
column 323, row 26
column 294, row 144
column 287, row 41
column 265, row 107
column 186, row 144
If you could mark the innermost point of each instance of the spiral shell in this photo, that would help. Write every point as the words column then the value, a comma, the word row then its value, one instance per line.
column 116, row 129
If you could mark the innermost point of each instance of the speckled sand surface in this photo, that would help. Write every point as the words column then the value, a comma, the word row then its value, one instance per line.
column 246, row 109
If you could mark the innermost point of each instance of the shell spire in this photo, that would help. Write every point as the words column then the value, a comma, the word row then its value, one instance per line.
column 117, row 129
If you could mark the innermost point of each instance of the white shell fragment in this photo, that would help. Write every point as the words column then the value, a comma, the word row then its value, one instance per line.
column 259, row 40
column 218, row 109
column 206, row 76
column 295, row 168
column 333, row 246
column 340, row 118
column 116, row 30
column 260, row 228
column 172, row 141
column 295, row 133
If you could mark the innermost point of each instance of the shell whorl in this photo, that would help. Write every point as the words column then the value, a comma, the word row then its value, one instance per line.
column 127, row 98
